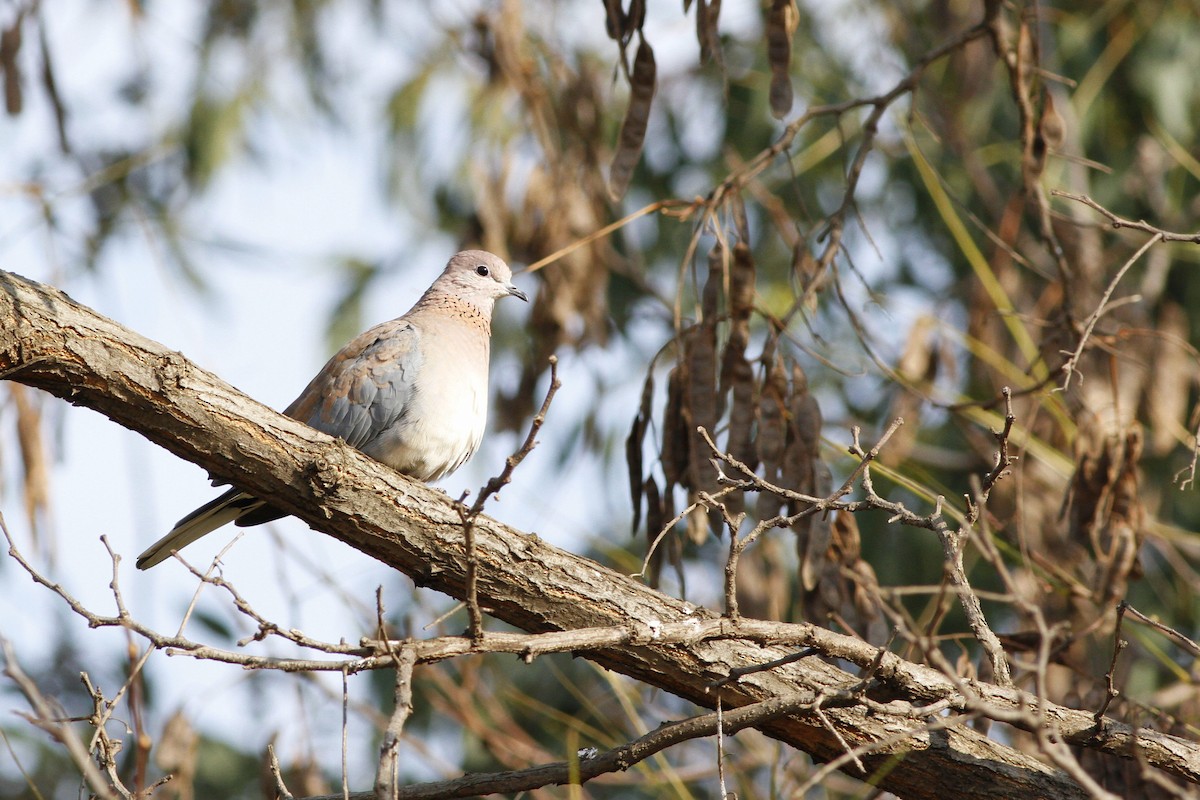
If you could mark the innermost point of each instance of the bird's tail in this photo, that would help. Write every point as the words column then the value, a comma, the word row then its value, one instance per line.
column 205, row 519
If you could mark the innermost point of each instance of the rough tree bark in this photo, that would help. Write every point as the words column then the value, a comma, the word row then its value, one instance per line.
column 50, row 342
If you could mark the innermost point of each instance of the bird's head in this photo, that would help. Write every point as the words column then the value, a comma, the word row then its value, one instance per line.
column 477, row 275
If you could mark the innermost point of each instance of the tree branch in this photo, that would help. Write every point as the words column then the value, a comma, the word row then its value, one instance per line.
column 50, row 342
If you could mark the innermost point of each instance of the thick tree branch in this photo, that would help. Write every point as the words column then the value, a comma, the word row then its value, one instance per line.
column 50, row 342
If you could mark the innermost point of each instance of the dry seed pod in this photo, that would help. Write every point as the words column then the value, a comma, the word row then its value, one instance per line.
column 1052, row 127
column 614, row 20
column 633, row 128
column 737, row 376
column 812, row 538
column 675, row 434
column 636, row 15
column 739, row 443
column 700, row 353
column 10, row 45
column 633, row 449
column 806, row 419
column 655, row 519
column 741, row 283
column 772, row 436
column 707, row 14
column 700, row 409
column 35, row 461
column 741, row 303
column 781, row 23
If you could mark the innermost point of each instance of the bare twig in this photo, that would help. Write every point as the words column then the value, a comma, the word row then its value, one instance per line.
column 1186, row 642
column 590, row 766
column 1102, row 307
column 1119, row 222
column 739, row 672
column 277, row 774
column 494, row 485
column 1110, row 690
column 387, row 778
column 49, row 719
column 721, row 748
column 345, row 734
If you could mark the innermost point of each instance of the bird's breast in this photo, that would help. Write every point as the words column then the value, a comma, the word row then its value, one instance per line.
column 447, row 414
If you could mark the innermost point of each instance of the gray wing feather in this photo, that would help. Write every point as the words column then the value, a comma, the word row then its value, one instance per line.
column 366, row 388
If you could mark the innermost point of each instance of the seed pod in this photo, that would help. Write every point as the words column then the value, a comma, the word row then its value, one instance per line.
column 655, row 519
column 700, row 410
column 1051, row 126
column 633, row 128
column 772, row 435
column 674, row 455
column 781, row 23
column 633, row 449
column 812, row 541
column 10, row 45
column 707, row 14
column 614, row 20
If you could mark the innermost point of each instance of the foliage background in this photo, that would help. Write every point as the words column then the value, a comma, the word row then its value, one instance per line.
column 255, row 182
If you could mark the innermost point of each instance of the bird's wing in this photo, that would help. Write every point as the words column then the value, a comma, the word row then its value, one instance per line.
column 367, row 387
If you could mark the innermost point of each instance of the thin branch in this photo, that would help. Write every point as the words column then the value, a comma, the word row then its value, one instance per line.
column 48, row 341
column 494, row 485
column 1119, row 222
column 277, row 774
column 387, row 778
column 1184, row 641
column 1110, row 690
column 737, row 673
column 50, row 720
column 1101, row 308
column 590, row 766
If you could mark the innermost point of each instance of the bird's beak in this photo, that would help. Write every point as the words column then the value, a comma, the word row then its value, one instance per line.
column 515, row 292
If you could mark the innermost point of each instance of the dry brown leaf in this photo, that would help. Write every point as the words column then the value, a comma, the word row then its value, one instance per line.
column 176, row 753
column 1171, row 381
column 1104, row 508
column 34, row 460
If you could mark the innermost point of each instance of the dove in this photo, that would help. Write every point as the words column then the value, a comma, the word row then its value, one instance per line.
column 411, row 393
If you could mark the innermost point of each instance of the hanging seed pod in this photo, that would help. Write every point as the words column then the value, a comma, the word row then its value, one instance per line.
column 633, row 128
column 781, row 24
column 633, row 449
column 1051, row 127
column 10, row 45
column 772, row 435
column 707, row 14
column 636, row 15
column 655, row 519
column 675, row 434
column 701, row 409
column 812, row 538
column 614, row 20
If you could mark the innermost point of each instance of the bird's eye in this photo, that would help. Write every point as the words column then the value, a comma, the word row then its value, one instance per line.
column 481, row 271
